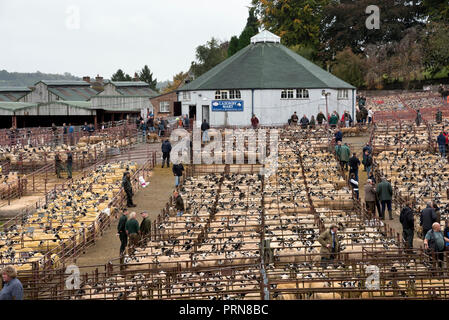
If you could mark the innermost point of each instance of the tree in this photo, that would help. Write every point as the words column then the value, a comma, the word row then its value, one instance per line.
column 208, row 56
column 349, row 67
column 146, row 75
column 120, row 76
column 343, row 24
column 407, row 60
column 308, row 52
column 178, row 81
column 437, row 10
column 233, row 46
column 435, row 47
column 296, row 21
column 250, row 30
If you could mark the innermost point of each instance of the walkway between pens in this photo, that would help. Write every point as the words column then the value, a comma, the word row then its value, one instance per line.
column 152, row 199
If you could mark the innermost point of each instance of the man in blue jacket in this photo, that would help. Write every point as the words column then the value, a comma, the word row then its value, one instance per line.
column 338, row 136
column 441, row 140
column 12, row 288
column 166, row 149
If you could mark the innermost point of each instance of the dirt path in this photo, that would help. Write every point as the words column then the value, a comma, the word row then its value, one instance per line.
column 356, row 145
column 151, row 199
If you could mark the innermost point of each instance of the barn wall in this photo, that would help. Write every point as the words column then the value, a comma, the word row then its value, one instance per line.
column 39, row 94
column 109, row 90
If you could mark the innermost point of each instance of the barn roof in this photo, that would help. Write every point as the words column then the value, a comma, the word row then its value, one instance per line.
column 13, row 106
column 13, row 93
column 64, row 82
column 73, row 93
column 266, row 64
column 133, row 88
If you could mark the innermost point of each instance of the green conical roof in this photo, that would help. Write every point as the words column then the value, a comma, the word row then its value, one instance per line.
column 266, row 66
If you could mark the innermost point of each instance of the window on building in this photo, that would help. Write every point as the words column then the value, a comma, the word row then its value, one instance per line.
column 186, row 96
column 302, row 94
column 227, row 94
column 342, row 94
column 287, row 94
column 234, row 94
column 164, row 106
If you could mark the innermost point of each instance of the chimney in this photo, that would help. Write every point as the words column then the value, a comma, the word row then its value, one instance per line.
column 136, row 77
column 99, row 79
column 86, row 78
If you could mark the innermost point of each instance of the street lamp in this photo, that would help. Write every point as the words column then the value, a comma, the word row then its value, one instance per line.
column 326, row 94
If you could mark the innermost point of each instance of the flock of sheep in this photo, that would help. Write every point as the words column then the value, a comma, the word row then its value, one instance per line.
column 67, row 222
column 236, row 218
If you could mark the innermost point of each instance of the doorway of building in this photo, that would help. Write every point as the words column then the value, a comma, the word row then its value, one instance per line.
column 192, row 112
column 177, row 109
column 206, row 113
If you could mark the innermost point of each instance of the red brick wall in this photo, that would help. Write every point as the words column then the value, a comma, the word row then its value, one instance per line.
column 169, row 97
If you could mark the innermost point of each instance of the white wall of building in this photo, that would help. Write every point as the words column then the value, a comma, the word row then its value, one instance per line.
column 268, row 106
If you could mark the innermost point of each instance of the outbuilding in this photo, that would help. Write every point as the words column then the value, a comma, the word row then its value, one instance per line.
column 266, row 79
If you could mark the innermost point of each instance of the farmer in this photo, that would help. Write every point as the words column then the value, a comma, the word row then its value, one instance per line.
column 330, row 245
column 166, row 149
column 304, row 122
column 205, row 129
column 121, row 231
column 132, row 230
column 294, row 119
column 145, row 225
column 69, row 164
column 385, row 193
column 320, row 117
column 12, row 287
column 428, row 218
column 179, row 203
column 254, row 121
column 408, row 224
column 441, row 140
column 370, row 198
column 58, row 165
column 434, row 241
column 354, row 164
column 127, row 186
column 177, row 169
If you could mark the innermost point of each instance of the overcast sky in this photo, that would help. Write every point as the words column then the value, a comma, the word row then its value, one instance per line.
column 47, row 36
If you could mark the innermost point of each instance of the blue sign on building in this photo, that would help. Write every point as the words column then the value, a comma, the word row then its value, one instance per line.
column 227, row 105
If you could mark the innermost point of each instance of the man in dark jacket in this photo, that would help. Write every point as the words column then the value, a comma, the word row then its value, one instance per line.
column 441, row 140
column 294, row 119
column 166, row 149
column 330, row 245
column 368, row 148
column 354, row 164
column 385, row 193
column 127, row 186
column 121, row 231
column 338, row 136
column 439, row 116
column 418, row 119
column 177, row 169
column 427, row 218
column 304, row 122
column 408, row 224
column 58, row 165
column 145, row 225
column 368, row 162
column 205, row 129
column 179, row 204
column 320, row 117
column 69, row 164
column 132, row 230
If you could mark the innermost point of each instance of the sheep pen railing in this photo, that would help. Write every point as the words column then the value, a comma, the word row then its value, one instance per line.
column 45, row 257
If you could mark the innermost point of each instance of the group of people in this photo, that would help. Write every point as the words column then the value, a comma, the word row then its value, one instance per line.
column 362, row 116
column 151, row 125
column 130, row 232
column 435, row 240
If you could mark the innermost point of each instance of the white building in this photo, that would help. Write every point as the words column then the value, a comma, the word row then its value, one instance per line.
column 266, row 79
